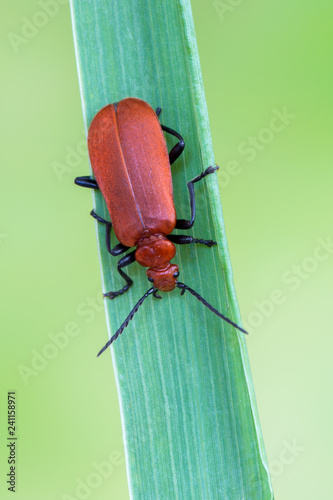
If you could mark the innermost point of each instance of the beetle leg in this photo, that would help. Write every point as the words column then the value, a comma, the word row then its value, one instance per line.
column 177, row 150
column 181, row 239
column 118, row 249
column 99, row 218
column 187, row 224
column 86, row 181
column 124, row 261
column 155, row 294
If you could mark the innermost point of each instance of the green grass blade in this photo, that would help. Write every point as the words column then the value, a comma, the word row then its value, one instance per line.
column 190, row 423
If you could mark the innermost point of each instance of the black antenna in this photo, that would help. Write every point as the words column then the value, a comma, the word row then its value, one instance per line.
column 127, row 320
column 185, row 287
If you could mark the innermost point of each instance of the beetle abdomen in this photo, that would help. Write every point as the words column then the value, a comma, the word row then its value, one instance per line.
column 131, row 165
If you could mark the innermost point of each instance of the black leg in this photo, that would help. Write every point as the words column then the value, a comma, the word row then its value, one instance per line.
column 124, row 261
column 99, row 218
column 177, row 150
column 181, row 239
column 86, row 181
column 118, row 249
column 187, row 224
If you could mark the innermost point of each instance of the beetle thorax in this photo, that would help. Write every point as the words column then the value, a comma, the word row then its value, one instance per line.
column 156, row 251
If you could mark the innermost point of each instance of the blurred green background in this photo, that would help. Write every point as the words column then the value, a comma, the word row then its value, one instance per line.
column 267, row 71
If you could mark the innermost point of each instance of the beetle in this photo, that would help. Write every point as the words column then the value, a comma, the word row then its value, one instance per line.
column 131, row 166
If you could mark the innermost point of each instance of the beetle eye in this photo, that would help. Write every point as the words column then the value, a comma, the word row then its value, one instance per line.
column 151, row 280
column 176, row 274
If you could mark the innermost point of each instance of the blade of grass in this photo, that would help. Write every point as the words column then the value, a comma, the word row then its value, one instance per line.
column 189, row 417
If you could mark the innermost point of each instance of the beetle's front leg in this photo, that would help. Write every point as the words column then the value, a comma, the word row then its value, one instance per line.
column 125, row 261
column 117, row 250
column 182, row 239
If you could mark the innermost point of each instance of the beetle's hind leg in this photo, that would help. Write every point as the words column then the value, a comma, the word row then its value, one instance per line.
column 86, row 181
column 177, row 150
column 117, row 250
column 187, row 224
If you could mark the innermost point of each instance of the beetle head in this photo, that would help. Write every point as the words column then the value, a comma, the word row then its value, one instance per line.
column 164, row 279
column 155, row 252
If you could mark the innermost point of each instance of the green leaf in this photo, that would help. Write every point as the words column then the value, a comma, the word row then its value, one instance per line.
column 190, row 423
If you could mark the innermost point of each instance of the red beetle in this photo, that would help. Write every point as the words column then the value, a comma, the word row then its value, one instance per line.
column 131, row 165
